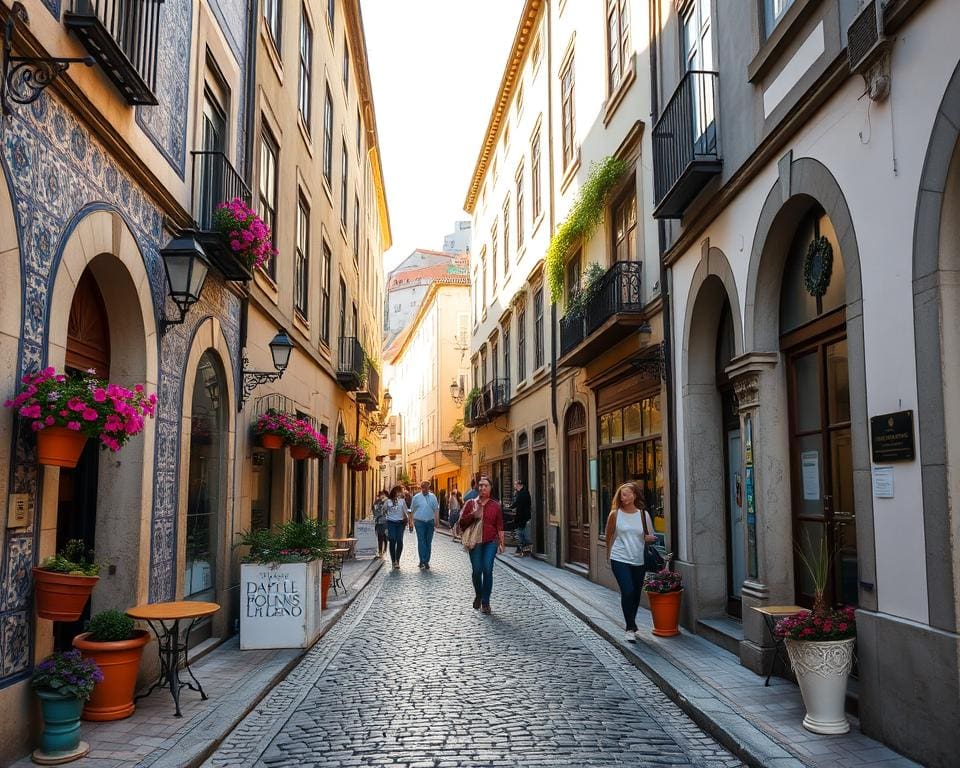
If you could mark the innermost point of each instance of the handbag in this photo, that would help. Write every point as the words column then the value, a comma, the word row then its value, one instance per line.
column 473, row 533
column 653, row 561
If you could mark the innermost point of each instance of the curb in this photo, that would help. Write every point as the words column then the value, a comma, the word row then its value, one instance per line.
column 734, row 732
column 199, row 758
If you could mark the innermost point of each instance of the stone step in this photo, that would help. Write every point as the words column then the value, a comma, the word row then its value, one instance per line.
column 722, row 631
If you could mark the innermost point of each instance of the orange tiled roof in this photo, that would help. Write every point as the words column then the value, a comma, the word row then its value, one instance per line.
column 453, row 272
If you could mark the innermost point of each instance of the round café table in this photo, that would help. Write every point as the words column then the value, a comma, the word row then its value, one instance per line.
column 337, row 556
column 164, row 619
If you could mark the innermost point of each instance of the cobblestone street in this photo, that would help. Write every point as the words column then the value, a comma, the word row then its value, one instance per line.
column 413, row 676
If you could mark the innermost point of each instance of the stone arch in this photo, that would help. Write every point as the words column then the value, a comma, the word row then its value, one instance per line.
column 937, row 341
column 11, row 303
column 208, row 336
column 802, row 183
column 98, row 240
column 712, row 288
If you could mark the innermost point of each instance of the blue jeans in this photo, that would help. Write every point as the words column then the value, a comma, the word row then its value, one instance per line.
column 481, row 558
column 424, row 529
column 630, row 579
column 523, row 535
column 395, row 536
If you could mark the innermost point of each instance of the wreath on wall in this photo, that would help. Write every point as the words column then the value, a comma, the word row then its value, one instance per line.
column 818, row 266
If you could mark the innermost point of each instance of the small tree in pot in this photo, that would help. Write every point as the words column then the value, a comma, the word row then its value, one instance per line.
column 63, row 681
column 116, row 645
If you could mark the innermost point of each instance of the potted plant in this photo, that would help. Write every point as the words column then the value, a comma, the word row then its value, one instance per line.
column 274, row 428
column 820, row 646
column 62, row 584
column 116, row 645
column 65, row 411
column 63, row 681
column 249, row 237
column 581, row 300
column 664, row 590
column 280, row 577
column 305, row 442
column 345, row 452
column 360, row 461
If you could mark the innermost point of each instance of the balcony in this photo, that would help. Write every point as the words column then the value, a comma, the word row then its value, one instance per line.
column 369, row 392
column 473, row 413
column 495, row 398
column 615, row 312
column 216, row 181
column 122, row 36
column 351, row 362
column 686, row 146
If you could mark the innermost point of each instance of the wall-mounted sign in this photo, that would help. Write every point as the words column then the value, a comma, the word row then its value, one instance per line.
column 891, row 437
column 883, row 482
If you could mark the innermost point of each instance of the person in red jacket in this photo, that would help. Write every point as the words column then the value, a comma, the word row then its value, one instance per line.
column 491, row 542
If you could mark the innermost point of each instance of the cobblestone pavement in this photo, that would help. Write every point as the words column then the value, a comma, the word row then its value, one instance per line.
column 413, row 676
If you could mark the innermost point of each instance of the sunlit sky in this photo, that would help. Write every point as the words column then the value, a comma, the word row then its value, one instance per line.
column 436, row 66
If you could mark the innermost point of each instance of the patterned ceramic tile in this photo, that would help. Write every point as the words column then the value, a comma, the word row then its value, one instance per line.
column 16, row 643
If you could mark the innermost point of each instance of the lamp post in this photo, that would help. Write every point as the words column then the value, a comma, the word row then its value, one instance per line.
column 379, row 421
column 280, row 348
column 186, row 265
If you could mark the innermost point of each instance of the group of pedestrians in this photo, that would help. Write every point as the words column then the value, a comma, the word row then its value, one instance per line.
column 395, row 511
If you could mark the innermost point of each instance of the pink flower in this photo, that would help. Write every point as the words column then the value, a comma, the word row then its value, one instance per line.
column 31, row 412
column 49, row 421
column 36, row 426
column 90, row 415
column 100, row 395
column 74, row 425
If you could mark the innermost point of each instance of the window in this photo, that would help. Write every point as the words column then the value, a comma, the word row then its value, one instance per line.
column 483, row 281
column 328, row 137
column 267, row 207
column 506, row 235
column 356, row 229
column 359, row 136
column 535, row 54
column 343, row 309
column 573, row 269
column 271, row 13
column 535, row 174
column 519, row 199
column 301, row 267
column 697, row 41
column 520, row 99
column 538, row 346
column 306, row 67
column 331, row 11
column 506, row 355
column 494, row 172
column 625, row 227
column 506, row 137
column 344, row 183
column 326, row 264
column 618, row 41
column 346, row 67
column 495, row 360
column 773, row 11
column 567, row 113
column 522, row 344
column 493, row 258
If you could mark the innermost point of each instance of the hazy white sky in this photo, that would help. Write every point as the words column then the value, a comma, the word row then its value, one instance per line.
column 436, row 66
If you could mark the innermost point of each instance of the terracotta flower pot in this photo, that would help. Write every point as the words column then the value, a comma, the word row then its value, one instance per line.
column 60, row 596
column 362, row 467
column 273, row 442
column 665, row 608
column 343, row 459
column 59, row 447
column 112, row 699
column 324, row 587
column 299, row 452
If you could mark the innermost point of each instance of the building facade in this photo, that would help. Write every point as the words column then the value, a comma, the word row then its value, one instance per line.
column 806, row 163
column 407, row 285
column 566, row 350
column 459, row 240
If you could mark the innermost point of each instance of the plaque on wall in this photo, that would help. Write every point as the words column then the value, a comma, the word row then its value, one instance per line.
column 891, row 437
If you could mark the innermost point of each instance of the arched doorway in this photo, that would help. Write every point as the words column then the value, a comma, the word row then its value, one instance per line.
column 577, row 486
column 205, row 483
column 813, row 341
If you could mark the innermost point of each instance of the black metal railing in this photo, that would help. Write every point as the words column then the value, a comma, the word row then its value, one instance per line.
column 371, row 387
column 215, row 181
column 618, row 291
column 123, row 35
column 495, row 396
column 473, row 413
column 351, row 360
column 686, row 131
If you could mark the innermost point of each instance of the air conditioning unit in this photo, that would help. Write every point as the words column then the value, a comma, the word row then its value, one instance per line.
column 865, row 36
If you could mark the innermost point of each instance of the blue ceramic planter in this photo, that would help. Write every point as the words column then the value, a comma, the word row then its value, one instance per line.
column 61, row 722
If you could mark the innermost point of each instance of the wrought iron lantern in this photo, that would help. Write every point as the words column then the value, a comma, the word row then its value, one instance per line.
column 186, row 265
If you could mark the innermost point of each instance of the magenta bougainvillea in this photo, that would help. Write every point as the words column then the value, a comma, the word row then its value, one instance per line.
column 250, row 239
column 829, row 624
column 293, row 431
column 663, row 582
column 85, row 404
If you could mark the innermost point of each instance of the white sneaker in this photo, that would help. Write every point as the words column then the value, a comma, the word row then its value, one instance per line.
column 636, row 634
column 631, row 636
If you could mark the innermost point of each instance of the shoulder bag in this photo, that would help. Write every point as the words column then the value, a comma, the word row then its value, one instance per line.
column 653, row 561
column 473, row 533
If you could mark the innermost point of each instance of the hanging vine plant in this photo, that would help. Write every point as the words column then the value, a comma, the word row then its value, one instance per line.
column 584, row 216
column 818, row 266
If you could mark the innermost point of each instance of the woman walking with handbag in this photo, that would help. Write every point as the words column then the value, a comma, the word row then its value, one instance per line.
column 481, row 522
column 397, row 520
column 628, row 536
column 380, row 522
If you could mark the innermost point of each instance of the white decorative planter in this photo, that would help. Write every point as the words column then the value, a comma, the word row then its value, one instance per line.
column 822, row 668
column 279, row 605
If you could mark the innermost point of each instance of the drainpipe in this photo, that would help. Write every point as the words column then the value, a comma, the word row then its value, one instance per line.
column 550, row 219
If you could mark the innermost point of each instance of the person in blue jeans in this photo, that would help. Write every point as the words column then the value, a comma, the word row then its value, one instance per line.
column 485, row 552
column 628, row 532
column 426, row 518
column 397, row 520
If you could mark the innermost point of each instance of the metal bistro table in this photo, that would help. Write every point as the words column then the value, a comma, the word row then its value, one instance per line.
column 771, row 614
column 164, row 619
column 337, row 556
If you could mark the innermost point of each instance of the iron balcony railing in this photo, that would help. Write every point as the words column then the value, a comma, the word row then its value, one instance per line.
column 370, row 389
column 351, row 360
column 473, row 413
column 216, row 181
column 123, row 36
column 496, row 396
column 685, row 136
column 617, row 292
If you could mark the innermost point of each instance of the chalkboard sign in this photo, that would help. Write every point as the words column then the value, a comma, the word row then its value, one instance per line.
column 891, row 437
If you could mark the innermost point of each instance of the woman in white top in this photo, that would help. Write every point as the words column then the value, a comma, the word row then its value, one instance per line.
column 397, row 519
column 629, row 528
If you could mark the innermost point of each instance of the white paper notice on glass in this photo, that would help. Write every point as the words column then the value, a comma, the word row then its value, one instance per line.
column 883, row 482
column 810, row 472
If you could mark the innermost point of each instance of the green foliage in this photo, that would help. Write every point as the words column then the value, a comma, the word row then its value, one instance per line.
column 292, row 541
column 581, row 300
column 73, row 559
column 456, row 431
column 110, row 627
column 584, row 216
column 68, row 674
column 403, row 477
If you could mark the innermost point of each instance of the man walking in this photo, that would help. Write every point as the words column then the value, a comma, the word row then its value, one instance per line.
column 472, row 493
column 521, row 506
column 426, row 518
